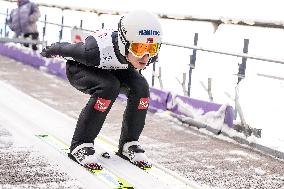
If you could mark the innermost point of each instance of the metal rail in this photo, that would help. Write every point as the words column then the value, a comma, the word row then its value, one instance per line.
column 21, row 40
column 244, row 55
column 52, row 23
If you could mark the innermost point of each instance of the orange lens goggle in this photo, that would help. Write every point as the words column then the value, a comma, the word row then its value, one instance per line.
column 140, row 49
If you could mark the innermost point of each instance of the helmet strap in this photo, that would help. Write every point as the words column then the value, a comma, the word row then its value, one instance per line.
column 127, row 48
column 122, row 37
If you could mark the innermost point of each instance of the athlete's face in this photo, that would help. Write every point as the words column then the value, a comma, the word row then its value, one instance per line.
column 138, row 63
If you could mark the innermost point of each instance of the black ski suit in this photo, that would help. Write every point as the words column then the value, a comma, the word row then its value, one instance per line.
column 100, row 70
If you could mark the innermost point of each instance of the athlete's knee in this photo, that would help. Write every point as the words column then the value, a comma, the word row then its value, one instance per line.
column 140, row 90
column 108, row 89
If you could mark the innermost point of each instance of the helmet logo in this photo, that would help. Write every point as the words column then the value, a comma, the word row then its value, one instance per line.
column 149, row 32
column 150, row 40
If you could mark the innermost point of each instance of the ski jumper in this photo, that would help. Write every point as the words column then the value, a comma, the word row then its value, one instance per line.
column 97, row 68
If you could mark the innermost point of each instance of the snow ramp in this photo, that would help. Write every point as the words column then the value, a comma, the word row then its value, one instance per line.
column 29, row 118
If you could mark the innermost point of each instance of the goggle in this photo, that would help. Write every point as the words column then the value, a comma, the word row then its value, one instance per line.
column 140, row 49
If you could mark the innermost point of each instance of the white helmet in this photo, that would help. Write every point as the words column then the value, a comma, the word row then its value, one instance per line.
column 138, row 27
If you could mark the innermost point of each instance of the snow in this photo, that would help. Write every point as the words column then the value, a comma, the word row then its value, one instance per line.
column 259, row 171
column 23, row 162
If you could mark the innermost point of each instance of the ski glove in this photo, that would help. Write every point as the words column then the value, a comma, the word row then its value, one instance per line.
column 51, row 51
column 45, row 52
column 54, row 50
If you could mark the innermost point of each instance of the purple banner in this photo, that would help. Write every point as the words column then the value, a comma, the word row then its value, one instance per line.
column 28, row 57
column 197, row 104
column 175, row 103
column 159, row 99
column 57, row 67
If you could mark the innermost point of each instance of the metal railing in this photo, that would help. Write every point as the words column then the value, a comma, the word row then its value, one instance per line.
column 21, row 41
column 237, row 54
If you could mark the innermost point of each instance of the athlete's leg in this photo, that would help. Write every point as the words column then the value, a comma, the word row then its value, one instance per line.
column 104, row 88
column 137, row 105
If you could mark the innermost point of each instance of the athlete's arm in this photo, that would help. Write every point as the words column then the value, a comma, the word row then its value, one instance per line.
column 86, row 53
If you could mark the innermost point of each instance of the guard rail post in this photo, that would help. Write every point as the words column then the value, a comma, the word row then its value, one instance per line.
column 242, row 66
column 61, row 28
column 241, row 75
column 192, row 63
column 5, row 27
column 153, row 74
column 44, row 27
column 81, row 24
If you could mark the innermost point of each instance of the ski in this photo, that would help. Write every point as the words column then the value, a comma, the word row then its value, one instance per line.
column 144, row 167
column 112, row 180
column 159, row 173
column 150, row 170
column 109, row 154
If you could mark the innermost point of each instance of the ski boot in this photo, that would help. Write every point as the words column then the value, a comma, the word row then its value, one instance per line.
column 133, row 152
column 84, row 154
